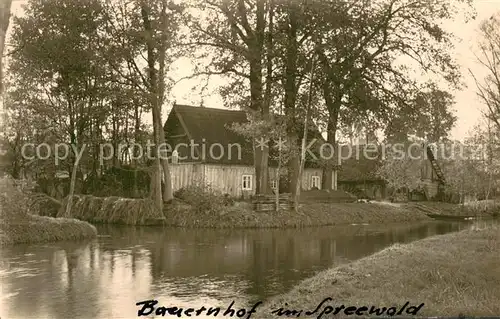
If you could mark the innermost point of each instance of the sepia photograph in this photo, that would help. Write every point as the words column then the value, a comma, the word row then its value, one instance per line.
column 251, row 159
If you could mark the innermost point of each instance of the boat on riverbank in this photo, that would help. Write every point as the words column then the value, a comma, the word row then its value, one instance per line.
column 452, row 217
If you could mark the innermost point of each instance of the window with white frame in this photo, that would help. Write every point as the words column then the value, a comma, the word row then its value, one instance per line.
column 274, row 184
column 246, row 182
column 315, row 182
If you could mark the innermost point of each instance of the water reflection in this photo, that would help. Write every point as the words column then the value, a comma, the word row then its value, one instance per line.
column 104, row 278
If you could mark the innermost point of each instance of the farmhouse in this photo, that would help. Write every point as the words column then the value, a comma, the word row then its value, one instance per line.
column 205, row 148
column 358, row 173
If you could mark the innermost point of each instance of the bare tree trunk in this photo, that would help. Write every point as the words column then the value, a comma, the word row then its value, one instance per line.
column 72, row 185
column 304, row 139
column 167, row 192
column 290, row 87
column 261, row 154
column 267, row 105
column 278, row 175
column 155, row 107
column 333, row 106
column 155, row 188
column 137, row 127
column 5, row 6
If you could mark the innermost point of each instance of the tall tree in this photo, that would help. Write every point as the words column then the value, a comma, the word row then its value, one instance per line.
column 361, row 49
column 145, row 32
column 5, row 6
column 428, row 116
column 236, row 31
column 297, row 26
column 488, row 57
column 57, row 63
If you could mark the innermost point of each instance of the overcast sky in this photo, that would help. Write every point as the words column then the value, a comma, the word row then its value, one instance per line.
column 468, row 107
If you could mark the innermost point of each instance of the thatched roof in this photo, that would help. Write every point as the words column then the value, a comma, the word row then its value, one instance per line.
column 210, row 126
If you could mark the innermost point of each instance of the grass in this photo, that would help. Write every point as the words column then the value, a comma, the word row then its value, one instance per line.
column 114, row 210
column 323, row 196
column 453, row 274
column 241, row 215
column 18, row 225
column 39, row 229
column 487, row 209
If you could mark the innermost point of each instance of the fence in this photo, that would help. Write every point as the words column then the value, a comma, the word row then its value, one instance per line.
column 263, row 203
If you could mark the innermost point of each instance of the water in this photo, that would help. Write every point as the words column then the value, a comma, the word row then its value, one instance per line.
column 104, row 278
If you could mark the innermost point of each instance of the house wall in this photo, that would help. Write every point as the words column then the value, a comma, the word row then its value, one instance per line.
column 307, row 177
column 184, row 174
column 227, row 178
column 429, row 179
column 430, row 187
column 426, row 171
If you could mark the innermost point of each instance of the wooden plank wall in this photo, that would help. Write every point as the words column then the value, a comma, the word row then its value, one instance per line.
column 184, row 174
column 227, row 178
column 431, row 188
column 307, row 177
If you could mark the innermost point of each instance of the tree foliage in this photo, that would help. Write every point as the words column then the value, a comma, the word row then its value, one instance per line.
column 471, row 168
column 429, row 116
column 87, row 71
column 401, row 169
column 489, row 87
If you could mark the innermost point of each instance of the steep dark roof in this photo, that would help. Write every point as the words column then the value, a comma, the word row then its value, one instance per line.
column 210, row 126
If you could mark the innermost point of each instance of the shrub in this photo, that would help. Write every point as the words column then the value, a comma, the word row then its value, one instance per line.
column 488, row 207
column 13, row 200
column 19, row 199
column 130, row 211
column 355, row 191
column 122, row 181
column 203, row 198
column 228, row 200
column 43, row 205
column 17, row 225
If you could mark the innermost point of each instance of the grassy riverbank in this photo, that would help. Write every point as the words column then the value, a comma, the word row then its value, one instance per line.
column 18, row 226
column 240, row 215
column 38, row 229
column 484, row 208
column 451, row 274
column 112, row 210
column 196, row 207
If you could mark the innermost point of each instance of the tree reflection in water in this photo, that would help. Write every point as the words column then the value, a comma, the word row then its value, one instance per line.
column 105, row 277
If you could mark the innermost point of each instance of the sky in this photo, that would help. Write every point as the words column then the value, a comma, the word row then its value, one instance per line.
column 467, row 108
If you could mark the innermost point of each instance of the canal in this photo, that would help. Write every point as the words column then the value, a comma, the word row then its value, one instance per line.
column 105, row 277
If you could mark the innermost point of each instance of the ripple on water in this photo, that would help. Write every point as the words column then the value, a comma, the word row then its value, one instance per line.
column 269, row 262
column 27, row 275
column 21, row 272
column 8, row 295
